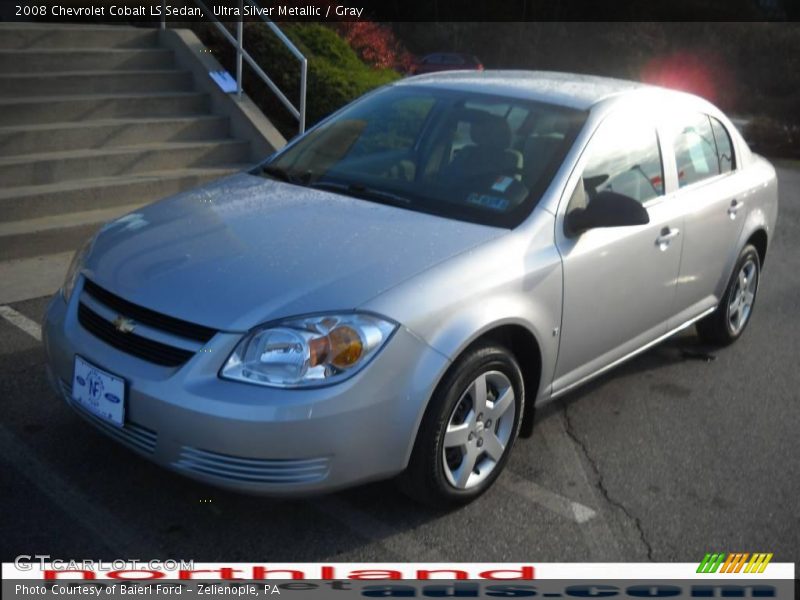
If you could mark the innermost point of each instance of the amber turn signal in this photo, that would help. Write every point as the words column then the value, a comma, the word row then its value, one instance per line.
column 346, row 347
column 342, row 348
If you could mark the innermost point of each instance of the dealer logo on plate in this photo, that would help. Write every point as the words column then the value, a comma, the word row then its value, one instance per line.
column 95, row 387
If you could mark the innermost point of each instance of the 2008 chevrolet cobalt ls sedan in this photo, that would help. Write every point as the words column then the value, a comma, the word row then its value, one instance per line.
column 393, row 292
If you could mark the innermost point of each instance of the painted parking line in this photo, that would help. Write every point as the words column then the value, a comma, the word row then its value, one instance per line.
column 600, row 541
column 123, row 540
column 29, row 326
column 569, row 509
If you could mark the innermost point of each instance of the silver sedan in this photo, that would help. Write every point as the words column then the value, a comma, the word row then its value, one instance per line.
column 393, row 293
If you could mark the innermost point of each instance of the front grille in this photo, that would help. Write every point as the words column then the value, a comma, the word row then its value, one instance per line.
column 139, row 346
column 132, row 435
column 254, row 470
column 145, row 316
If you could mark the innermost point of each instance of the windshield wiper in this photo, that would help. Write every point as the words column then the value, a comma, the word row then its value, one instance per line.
column 358, row 190
column 280, row 173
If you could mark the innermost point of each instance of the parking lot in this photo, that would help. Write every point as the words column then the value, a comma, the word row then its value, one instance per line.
column 681, row 451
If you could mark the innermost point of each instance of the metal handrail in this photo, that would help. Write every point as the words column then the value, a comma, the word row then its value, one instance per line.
column 298, row 113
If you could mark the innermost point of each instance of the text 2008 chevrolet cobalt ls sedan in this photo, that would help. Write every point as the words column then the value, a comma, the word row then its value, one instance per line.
column 394, row 291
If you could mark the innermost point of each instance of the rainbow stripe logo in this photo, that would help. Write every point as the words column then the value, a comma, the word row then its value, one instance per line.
column 734, row 563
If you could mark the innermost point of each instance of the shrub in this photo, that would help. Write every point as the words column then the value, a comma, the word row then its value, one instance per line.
column 376, row 45
column 336, row 75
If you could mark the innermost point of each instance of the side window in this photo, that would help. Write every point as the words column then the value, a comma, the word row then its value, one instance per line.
column 696, row 150
column 624, row 158
column 724, row 146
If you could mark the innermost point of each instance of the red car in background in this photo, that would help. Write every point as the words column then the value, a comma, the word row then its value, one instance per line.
column 446, row 61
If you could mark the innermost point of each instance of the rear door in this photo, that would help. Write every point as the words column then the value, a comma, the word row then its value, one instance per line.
column 619, row 282
column 708, row 188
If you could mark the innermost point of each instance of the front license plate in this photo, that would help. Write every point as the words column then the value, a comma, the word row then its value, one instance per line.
column 98, row 391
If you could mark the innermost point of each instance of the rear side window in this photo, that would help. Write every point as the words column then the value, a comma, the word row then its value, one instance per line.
column 625, row 158
column 724, row 146
column 696, row 150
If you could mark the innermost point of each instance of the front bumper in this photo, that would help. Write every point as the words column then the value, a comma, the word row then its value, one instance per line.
column 250, row 438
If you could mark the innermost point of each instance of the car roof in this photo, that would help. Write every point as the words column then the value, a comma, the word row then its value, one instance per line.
column 565, row 89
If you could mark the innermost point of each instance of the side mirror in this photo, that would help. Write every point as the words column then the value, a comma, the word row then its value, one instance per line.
column 606, row 209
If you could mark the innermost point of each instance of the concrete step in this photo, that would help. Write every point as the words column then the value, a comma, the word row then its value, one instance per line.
column 95, row 121
column 18, row 36
column 34, row 201
column 52, row 109
column 54, row 234
column 109, row 133
column 55, row 167
column 84, row 59
column 14, row 85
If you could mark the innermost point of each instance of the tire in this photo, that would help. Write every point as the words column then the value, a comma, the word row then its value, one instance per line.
column 439, row 472
column 727, row 323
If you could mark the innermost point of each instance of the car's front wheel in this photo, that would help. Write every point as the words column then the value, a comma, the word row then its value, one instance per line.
column 728, row 321
column 468, row 430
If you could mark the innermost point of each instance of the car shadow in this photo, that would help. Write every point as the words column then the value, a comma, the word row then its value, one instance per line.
column 681, row 347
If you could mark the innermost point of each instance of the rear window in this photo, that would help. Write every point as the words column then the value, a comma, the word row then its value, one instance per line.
column 724, row 146
column 702, row 149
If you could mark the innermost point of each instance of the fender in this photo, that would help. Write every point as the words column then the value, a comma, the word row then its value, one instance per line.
column 503, row 290
column 762, row 213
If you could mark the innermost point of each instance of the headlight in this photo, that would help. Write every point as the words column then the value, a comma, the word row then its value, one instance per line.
column 75, row 269
column 308, row 351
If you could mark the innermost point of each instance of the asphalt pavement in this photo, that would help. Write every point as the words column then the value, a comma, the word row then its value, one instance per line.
column 681, row 451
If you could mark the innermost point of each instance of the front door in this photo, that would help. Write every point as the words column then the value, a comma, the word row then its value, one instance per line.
column 619, row 282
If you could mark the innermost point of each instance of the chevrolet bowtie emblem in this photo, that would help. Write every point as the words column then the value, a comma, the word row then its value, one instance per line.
column 124, row 324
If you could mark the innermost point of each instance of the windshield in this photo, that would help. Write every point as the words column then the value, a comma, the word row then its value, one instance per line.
column 462, row 155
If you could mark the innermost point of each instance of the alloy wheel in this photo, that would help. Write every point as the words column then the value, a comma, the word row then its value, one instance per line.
column 479, row 430
column 743, row 296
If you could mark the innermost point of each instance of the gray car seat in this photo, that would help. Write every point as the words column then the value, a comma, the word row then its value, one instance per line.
column 489, row 154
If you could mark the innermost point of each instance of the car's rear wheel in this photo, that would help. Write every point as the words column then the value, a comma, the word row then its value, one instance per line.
column 468, row 430
column 727, row 323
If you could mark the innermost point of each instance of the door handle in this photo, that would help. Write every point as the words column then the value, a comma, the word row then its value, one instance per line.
column 667, row 234
column 734, row 208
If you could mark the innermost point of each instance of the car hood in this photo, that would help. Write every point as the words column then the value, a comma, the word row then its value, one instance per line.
column 245, row 250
